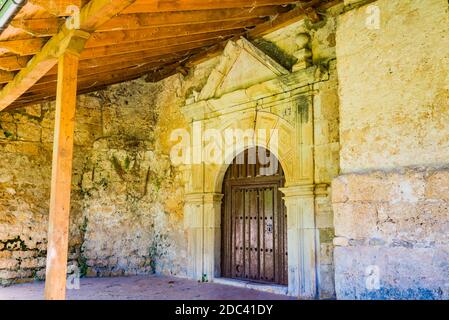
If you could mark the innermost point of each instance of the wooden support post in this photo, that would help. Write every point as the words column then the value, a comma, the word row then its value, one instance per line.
column 58, row 229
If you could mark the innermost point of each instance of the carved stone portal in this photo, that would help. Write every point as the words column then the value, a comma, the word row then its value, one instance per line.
column 250, row 91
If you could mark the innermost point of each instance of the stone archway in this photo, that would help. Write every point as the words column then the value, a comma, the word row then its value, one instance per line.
column 280, row 102
column 204, row 199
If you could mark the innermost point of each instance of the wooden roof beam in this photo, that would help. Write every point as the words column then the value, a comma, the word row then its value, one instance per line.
column 107, row 68
column 99, row 39
column 23, row 47
column 92, row 15
column 45, row 27
column 148, row 6
column 13, row 62
column 121, row 37
column 6, row 76
column 88, row 85
column 132, row 47
column 58, row 7
column 141, row 57
column 85, row 79
column 145, row 20
column 176, row 50
column 94, row 87
column 49, row 81
column 305, row 9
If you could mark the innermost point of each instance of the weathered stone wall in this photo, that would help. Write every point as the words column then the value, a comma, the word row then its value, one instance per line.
column 391, row 205
column 127, row 198
column 394, row 86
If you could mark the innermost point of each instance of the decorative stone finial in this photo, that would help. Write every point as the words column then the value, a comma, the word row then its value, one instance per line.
column 303, row 53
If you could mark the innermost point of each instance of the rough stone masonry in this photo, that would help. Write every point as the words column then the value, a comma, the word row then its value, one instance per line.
column 391, row 201
column 381, row 150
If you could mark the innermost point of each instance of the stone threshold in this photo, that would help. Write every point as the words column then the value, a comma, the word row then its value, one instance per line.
column 270, row 288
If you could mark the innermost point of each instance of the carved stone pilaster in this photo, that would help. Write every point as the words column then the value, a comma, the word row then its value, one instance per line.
column 301, row 233
column 202, row 221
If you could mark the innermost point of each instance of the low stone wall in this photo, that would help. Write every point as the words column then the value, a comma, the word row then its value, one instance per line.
column 393, row 225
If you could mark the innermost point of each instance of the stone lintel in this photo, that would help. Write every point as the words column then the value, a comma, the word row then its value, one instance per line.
column 301, row 191
column 282, row 87
column 203, row 198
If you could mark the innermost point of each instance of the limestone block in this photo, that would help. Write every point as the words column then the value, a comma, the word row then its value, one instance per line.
column 355, row 220
column 8, row 275
column 321, row 132
column 323, row 42
column 379, row 186
column 33, row 110
column 326, row 164
column 437, row 186
column 29, row 131
column 327, row 104
column 8, row 263
column 8, row 130
column 5, row 254
column 23, row 254
column 341, row 242
column 86, row 134
column 326, row 254
column 386, row 120
column 325, row 220
column 403, row 273
column 326, row 282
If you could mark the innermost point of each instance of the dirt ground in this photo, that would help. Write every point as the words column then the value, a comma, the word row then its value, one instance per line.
column 141, row 288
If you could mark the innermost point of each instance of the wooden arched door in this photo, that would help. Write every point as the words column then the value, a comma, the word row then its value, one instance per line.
column 254, row 231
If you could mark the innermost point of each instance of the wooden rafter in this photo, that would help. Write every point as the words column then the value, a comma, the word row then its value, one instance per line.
column 146, row 33
column 148, row 6
column 105, row 66
column 99, row 39
column 145, row 20
column 25, row 47
column 31, row 46
column 286, row 19
column 305, row 10
column 58, row 7
column 92, row 15
column 131, row 47
column 6, row 76
column 13, row 62
column 46, row 27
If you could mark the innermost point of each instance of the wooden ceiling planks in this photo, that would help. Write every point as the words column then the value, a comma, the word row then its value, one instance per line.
column 151, row 6
column 157, row 38
column 144, row 20
column 95, row 13
column 99, row 39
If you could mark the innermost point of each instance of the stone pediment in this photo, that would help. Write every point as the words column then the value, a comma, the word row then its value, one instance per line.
column 241, row 66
